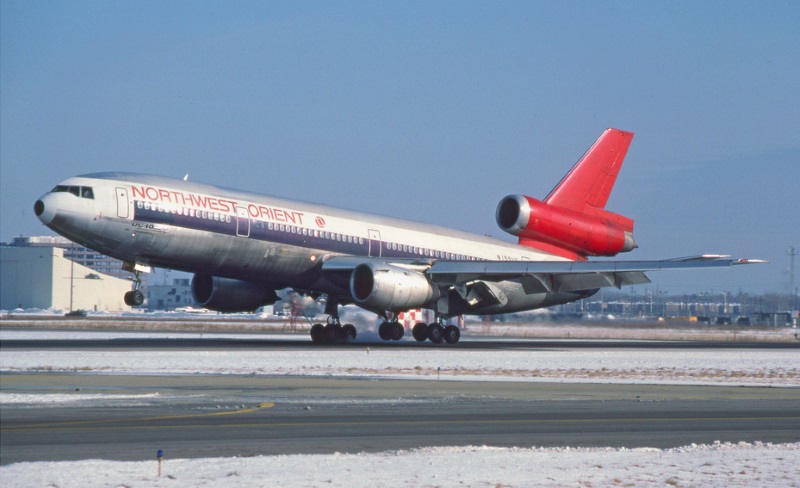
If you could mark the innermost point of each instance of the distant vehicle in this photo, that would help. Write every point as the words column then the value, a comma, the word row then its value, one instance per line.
column 243, row 247
column 743, row 321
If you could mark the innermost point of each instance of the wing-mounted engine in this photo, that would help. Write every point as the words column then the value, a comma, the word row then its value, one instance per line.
column 228, row 295
column 599, row 233
column 383, row 287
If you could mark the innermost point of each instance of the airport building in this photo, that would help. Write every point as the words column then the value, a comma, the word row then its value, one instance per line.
column 42, row 276
column 82, row 255
column 170, row 297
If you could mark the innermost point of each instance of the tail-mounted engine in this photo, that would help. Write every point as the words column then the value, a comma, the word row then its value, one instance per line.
column 228, row 295
column 390, row 288
column 599, row 233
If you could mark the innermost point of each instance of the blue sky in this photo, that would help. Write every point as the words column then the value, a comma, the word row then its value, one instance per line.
column 431, row 111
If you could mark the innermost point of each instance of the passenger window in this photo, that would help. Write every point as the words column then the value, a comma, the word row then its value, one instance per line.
column 86, row 192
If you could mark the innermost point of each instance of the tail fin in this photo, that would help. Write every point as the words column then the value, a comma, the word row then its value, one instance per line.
column 588, row 184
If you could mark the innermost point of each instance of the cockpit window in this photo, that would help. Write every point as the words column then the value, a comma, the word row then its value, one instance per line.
column 78, row 191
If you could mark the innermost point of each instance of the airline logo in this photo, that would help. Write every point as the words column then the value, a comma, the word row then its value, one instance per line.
column 170, row 198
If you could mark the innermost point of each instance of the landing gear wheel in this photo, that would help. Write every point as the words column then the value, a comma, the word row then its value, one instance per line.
column 332, row 333
column 134, row 298
column 420, row 332
column 397, row 331
column 452, row 334
column 348, row 333
column 436, row 333
column 318, row 333
column 384, row 330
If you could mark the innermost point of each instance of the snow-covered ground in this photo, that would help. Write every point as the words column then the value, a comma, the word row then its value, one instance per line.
column 719, row 465
column 715, row 465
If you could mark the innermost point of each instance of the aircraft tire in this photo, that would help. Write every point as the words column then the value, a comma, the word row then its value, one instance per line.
column 137, row 298
column 384, row 331
column 436, row 333
column 332, row 333
column 420, row 332
column 397, row 331
column 452, row 334
column 317, row 333
column 128, row 300
column 348, row 333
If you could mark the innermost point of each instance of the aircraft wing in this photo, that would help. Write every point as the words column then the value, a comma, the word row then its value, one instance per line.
column 565, row 276
column 538, row 276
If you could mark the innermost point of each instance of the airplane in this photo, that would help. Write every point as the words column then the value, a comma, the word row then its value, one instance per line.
column 242, row 247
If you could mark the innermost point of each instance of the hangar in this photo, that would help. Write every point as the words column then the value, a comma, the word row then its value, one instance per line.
column 42, row 277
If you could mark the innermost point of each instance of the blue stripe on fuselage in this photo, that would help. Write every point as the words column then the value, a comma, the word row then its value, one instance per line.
column 259, row 230
column 226, row 224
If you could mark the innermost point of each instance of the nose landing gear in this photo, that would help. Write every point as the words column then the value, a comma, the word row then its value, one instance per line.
column 135, row 297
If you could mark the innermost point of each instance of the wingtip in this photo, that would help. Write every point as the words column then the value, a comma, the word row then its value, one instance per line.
column 750, row 261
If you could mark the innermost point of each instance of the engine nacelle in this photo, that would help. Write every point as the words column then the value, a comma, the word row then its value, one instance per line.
column 390, row 288
column 602, row 234
column 228, row 295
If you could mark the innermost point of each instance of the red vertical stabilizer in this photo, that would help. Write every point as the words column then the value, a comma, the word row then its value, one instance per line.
column 572, row 221
column 587, row 186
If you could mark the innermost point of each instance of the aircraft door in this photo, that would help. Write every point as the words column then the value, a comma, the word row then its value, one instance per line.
column 374, row 243
column 242, row 222
column 122, row 203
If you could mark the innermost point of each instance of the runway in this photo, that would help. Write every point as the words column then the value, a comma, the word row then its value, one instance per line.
column 125, row 396
column 281, row 342
column 213, row 416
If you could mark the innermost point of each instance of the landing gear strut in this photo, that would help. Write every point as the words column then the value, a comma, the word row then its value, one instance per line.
column 135, row 297
column 333, row 332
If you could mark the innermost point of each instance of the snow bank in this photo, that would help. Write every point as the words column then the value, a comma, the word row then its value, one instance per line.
column 717, row 465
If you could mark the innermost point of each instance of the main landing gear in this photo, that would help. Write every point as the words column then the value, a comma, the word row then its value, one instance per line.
column 391, row 331
column 135, row 297
column 333, row 332
column 436, row 332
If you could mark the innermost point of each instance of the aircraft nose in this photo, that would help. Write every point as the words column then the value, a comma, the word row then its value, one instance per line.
column 46, row 213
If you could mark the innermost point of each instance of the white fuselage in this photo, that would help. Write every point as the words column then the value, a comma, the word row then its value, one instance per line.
column 199, row 228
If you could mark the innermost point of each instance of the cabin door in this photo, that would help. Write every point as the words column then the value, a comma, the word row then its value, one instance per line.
column 122, row 203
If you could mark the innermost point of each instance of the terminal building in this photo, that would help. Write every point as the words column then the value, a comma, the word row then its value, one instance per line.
column 170, row 297
column 54, row 273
